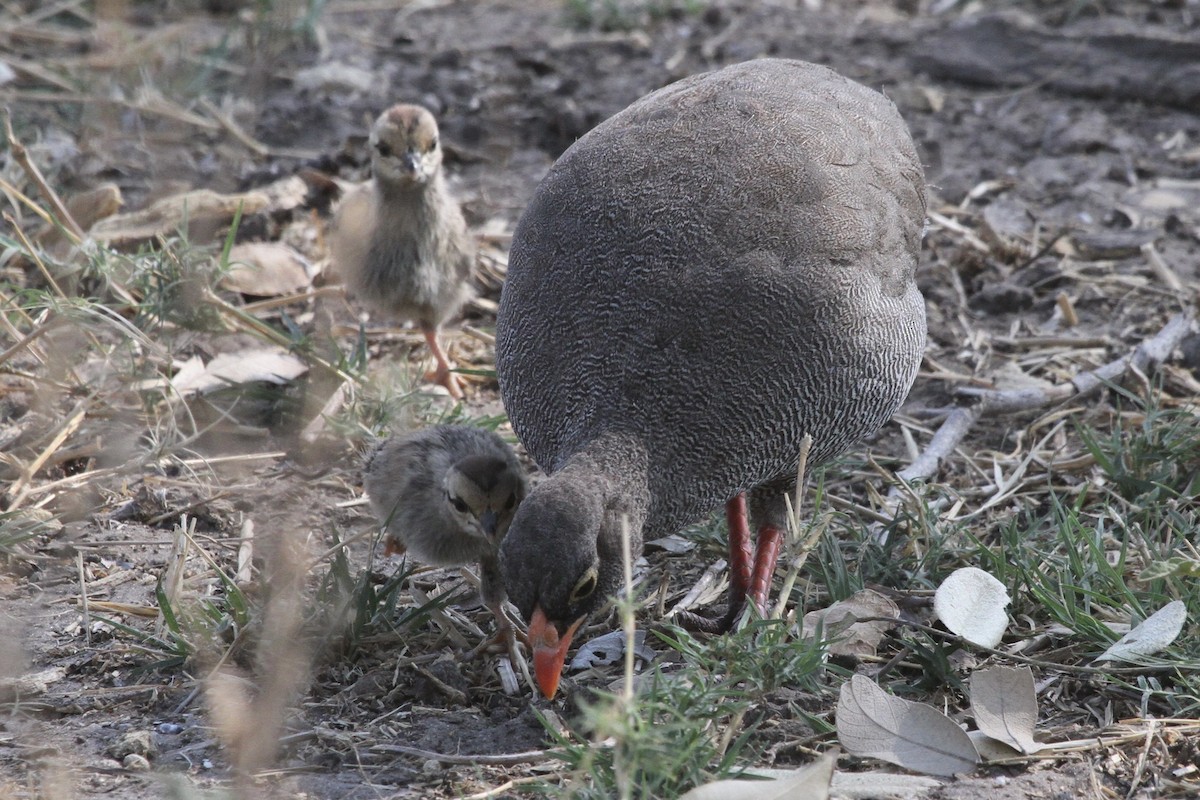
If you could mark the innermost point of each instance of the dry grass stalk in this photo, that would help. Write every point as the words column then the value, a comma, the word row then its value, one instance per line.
column 250, row 711
column 21, row 155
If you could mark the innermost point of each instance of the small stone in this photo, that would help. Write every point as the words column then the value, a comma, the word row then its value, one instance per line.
column 136, row 763
column 139, row 743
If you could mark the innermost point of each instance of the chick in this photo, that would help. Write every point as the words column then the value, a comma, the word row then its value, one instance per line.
column 446, row 495
column 399, row 241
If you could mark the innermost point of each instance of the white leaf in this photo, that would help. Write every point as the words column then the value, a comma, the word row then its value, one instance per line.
column 810, row 782
column 1004, row 702
column 971, row 603
column 1155, row 633
column 270, row 365
column 609, row 649
column 916, row 736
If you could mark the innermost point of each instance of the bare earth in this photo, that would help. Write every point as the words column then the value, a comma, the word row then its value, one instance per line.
column 1046, row 132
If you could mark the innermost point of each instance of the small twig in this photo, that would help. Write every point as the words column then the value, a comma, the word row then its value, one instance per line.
column 32, row 252
column 452, row 694
column 245, row 555
column 491, row 760
column 1140, row 769
column 700, row 587
column 83, row 599
column 20, row 489
column 1162, row 270
column 1157, row 349
column 21, row 155
column 258, row 148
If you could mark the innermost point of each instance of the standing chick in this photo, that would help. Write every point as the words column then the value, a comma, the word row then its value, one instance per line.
column 399, row 240
column 446, row 495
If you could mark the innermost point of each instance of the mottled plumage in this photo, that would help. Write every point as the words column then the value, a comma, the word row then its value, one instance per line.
column 701, row 280
column 399, row 240
column 446, row 495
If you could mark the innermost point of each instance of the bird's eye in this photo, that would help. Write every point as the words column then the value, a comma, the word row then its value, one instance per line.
column 433, row 143
column 583, row 590
column 384, row 149
column 459, row 504
column 510, row 502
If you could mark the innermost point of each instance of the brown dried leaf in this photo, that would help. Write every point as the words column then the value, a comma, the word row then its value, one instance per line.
column 840, row 625
column 203, row 210
column 266, row 269
column 916, row 736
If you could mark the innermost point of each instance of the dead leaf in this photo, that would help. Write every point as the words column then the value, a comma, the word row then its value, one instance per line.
column 609, row 649
column 840, row 625
column 916, row 736
column 266, row 269
column 871, row 785
column 271, row 365
column 810, row 782
column 971, row 603
column 674, row 544
column 990, row 749
column 204, row 212
column 1004, row 702
column 1155, row 633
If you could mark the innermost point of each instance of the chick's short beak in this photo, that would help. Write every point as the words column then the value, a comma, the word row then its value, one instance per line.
column 549, row 650
column 488, row 523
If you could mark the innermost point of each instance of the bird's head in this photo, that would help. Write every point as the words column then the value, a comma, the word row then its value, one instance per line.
column 482, row 493
column 561, row 562
column 404, row 146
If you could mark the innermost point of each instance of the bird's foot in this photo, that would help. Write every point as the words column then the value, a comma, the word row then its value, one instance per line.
column 446, row 378
column 505, row 639
column 698, row 623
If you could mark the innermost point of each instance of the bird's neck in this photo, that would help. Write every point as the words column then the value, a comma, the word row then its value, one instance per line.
column 411, row 195
column 619, row 465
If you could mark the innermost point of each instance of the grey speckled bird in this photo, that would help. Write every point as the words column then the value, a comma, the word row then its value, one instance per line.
column 400, row 240
column 716, row 271
column 446, row 495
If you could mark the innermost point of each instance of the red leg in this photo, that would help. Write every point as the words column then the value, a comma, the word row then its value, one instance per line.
column 741, row 560
column 741, row 557
column 766, row 553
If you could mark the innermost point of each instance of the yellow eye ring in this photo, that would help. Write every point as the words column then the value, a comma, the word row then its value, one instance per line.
column 585, row 586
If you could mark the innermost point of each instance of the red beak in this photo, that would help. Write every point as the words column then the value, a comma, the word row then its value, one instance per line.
column 549, row 650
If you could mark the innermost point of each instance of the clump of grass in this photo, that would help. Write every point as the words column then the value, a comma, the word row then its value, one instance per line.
column 685, row 725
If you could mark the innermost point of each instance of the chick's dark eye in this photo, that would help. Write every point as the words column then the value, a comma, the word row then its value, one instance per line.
column 383, row 149
column 460, row 505
column 433, row 143
column 510, row 502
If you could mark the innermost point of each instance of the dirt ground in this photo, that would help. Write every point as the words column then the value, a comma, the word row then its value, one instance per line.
column 1049, row 130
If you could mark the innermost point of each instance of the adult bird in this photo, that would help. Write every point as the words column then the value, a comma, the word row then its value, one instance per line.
column 399, row 240
column 718, row 270
column 447, row 495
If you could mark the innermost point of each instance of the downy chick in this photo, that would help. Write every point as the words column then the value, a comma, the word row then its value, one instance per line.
column 399, row 240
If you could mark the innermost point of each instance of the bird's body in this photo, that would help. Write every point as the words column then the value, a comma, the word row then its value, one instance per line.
column 447, row 494
column 400, row 240
column 702, row 280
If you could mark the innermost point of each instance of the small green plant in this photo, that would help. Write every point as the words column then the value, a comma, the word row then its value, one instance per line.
column 354, row 606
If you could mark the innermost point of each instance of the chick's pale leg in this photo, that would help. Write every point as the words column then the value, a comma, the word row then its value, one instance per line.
column 442, row 375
